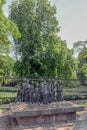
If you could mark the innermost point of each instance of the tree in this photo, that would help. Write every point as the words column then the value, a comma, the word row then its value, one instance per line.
column 81, row 48
column 6, row 66
column 7, row 27
column 79, row 45
column 82, row 66
column 41, row 51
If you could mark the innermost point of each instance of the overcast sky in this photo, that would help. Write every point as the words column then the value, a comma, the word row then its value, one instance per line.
column 72, row 17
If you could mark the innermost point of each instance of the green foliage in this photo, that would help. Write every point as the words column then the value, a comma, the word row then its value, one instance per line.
column 6, row 66
column 41, row 51
column 7, row 94
column 81, row 47
column 82, row 66
column 7, row 28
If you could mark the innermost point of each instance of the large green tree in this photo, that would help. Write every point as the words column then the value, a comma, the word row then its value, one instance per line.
column 40, row 51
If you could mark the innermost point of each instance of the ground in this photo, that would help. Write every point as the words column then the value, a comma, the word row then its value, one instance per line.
column 4, row 121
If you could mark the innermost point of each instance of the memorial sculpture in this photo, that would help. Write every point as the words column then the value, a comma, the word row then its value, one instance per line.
column 46, row 92
column 40, row 103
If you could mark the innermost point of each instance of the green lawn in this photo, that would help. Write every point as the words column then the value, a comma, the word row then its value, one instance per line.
column 7, row 94
column 81, row 90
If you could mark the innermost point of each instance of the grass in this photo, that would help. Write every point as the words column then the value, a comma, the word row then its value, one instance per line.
column 81, row 90
column 9, row 89
column 7, row 94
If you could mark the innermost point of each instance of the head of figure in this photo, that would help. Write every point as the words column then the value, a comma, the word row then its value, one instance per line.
column 28, row 81
column 45, row 82
column 49, row 81
column 52, row 80
column 32, row 82
column 24, row 80
column 59, row 82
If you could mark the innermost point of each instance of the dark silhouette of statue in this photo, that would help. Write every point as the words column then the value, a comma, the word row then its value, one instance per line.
column 44, row 92
column 59, row 91
column 52, row 90
column 36, row 95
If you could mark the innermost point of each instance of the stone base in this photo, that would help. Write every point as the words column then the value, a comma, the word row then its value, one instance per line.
column 31, row 115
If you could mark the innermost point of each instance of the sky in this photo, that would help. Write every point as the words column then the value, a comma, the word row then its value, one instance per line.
column 72, row 17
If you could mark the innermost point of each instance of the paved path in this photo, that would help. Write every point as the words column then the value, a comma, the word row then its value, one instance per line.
column 56, row 127
column 5, row 106
column 81, row 124
column 4, row 121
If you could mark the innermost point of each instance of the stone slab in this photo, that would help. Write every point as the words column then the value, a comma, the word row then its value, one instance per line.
column 31, row 115
column 24, row 109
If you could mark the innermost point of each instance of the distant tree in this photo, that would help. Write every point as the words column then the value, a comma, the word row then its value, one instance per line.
column 82, row 66
column 79, row 45
column 81, row 48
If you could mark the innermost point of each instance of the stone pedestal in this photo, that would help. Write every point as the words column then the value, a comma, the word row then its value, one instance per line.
column 31, row 115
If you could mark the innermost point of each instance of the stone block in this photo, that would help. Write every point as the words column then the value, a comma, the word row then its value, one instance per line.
column 30, row 115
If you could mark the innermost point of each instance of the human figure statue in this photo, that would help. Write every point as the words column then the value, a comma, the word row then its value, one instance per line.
column 31, row 92
column 20, row 95
column 26, row 92
column 44, row 92
column 36, row 95
column 21, row 92
column 59, row 92
column 49, row 91
column 41, row 91
column 52, row 90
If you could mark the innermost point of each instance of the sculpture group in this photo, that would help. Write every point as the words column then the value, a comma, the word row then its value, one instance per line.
column 43, row 91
